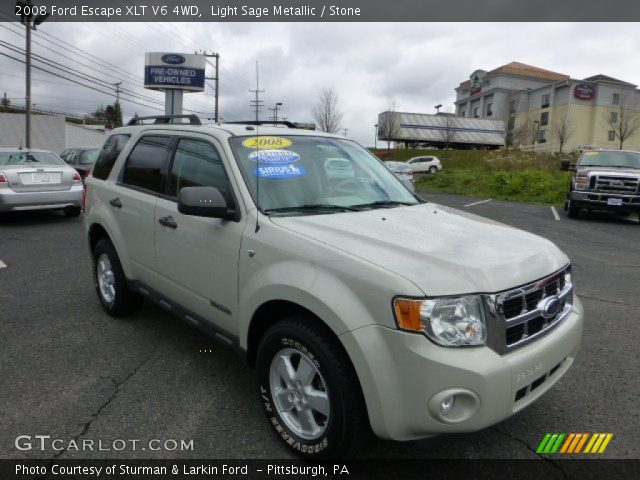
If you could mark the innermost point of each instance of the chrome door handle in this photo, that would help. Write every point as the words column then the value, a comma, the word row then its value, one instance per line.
column 168, row 222
column 115, row 202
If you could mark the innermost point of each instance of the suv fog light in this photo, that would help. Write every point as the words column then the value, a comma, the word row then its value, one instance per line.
column 447, row 404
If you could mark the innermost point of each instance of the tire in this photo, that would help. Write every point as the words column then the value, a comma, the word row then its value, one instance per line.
column 72, row 212
column 433, row 170
column 572, row 211
column 339, row 421
column 110, row 282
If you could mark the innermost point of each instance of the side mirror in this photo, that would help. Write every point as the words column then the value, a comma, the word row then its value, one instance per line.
column 204, row 202
column 565, row 165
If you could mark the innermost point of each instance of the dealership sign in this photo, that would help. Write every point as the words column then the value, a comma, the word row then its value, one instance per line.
column 584, row 91
column 180, row 71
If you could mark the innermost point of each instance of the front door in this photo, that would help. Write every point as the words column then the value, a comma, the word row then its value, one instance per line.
column 197, row 257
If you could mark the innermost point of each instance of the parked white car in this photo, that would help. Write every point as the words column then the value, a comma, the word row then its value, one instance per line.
column 425, row 164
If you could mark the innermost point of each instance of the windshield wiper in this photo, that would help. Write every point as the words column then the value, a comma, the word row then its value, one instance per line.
column 383, row 204
column 312, row 207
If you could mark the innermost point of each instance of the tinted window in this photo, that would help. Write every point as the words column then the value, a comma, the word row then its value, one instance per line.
column 88, row 157
column 108, row 155
column 146, row 163
column 25, row 157
column 197, row 164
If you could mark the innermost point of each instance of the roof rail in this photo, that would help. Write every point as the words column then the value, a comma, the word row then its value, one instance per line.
column 164, row 119
column 265, row 122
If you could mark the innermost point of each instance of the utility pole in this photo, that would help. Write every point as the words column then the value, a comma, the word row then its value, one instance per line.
column 30, row 21
column 275, row 111
column 216, row 79
column 345, row 130
column 257, row 103
column 118, row 112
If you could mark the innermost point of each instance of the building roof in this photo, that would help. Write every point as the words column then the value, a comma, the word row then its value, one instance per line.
column 517, row 68
column 606, row 78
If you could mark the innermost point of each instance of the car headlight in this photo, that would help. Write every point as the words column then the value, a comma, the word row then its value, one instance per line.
column 450, row 322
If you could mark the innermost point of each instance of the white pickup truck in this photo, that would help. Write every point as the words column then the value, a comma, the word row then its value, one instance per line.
column 361, row 306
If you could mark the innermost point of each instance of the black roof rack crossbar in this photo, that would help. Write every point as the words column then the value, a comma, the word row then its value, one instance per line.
column 165, row 119
column 264, row 122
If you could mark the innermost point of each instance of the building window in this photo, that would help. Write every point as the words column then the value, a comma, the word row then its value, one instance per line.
column 542, row 136
column 611, row 135
column 545, row 100
column 615, row 99
column 512, row 106
column 489, row 109
column 544, row 118
column 613, row 118
column 476, row 112
column 463, row 113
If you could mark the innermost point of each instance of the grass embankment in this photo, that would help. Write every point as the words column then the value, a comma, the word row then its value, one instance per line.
column 522, row 176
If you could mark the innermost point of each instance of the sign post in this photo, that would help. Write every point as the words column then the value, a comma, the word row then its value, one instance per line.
column 175, row 73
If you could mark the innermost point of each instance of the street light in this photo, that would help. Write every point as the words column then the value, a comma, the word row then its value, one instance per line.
column 30, row 21
column 275, row 112
column 375, row 138
column 438, row 107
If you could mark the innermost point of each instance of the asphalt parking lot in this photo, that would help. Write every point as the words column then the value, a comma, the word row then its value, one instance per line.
column 70, row 371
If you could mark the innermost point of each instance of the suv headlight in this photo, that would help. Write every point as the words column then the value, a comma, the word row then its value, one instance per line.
column 450, row 321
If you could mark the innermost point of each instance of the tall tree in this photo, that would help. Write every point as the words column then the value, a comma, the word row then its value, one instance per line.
column 625, row 120
column 111, row 115
column 327, row 112
column 448, row 133
column 389, row 124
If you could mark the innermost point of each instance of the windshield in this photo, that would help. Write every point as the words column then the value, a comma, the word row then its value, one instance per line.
column 29, row 158
column 89, row 157
column 316, row 174
column 610, row 159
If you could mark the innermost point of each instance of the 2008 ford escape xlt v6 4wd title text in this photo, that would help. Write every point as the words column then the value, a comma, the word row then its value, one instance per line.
column 361, row 306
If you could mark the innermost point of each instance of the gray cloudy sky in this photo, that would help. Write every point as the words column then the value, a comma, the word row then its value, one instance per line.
column 418, row 65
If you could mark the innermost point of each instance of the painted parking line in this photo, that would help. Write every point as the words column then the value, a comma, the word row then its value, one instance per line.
column 555, row 213
column 477, row 203
column 2, row 264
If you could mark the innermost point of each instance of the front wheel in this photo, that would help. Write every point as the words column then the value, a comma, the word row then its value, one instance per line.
column 572, row 210
column 309, row 390
column 433, row 169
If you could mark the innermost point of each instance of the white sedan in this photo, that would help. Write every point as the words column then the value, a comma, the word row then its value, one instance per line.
column 426, row 164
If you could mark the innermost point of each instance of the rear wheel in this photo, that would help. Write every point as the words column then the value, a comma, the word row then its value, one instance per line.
column 71, row 212
column 110, row 282
column 309, row 391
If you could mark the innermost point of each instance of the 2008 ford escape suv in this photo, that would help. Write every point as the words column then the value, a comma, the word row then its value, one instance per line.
column 360, row 306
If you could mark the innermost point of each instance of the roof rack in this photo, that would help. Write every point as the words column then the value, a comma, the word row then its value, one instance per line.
column 265, row 122
column 164, row 119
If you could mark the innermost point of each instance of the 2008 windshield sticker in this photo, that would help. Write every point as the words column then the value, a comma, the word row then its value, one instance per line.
column 274, row 156
column 279, row 170
column 267, row 142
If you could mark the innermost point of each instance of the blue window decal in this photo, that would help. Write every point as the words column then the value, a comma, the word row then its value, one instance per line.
column 274, row 156
column 279, row 170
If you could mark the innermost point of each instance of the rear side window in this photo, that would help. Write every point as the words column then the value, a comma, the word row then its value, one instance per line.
column 197, row 164
column 109, row 154
column 147, row 162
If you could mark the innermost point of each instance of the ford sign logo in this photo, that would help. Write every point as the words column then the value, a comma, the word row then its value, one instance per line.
column 173, row 59
column 549, row 307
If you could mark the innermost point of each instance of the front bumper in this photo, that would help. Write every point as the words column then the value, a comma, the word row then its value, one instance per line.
column 16, row 201
column 404, row 377
column 598, row 201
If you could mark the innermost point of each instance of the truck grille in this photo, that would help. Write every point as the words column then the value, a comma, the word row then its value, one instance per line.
column 616, row 183
column 522, row 314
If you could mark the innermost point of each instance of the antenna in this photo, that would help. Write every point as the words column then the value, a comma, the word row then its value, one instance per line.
column 257, row 104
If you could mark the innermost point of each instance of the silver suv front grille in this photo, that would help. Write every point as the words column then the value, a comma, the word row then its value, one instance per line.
column 616, row 183
column 519, row 316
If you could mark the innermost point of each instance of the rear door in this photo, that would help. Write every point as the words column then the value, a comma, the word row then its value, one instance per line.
column 134, row 197
column 197, row 257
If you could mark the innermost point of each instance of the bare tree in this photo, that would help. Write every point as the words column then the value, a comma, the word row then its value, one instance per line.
column 625, row 120
column 448, row 133
column 563, row 129
column 389, row 124
column 327, row 111
column 514, row 132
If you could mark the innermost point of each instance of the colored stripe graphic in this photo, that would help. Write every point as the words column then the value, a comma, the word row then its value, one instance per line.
column 573, row 443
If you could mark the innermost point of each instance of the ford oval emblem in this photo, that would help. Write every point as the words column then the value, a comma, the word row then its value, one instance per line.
column 173, row 59
column 549, row 307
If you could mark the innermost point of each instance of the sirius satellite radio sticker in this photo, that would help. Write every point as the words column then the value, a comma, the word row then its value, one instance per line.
column 281, row 170
column 274, row 156
column 267, row 142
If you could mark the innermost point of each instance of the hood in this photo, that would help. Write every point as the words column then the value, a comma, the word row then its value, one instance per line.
column 611, row 170
column 441, row 250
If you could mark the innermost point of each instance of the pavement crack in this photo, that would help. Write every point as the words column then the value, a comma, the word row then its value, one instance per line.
column 116, row 390
column 532, row 450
